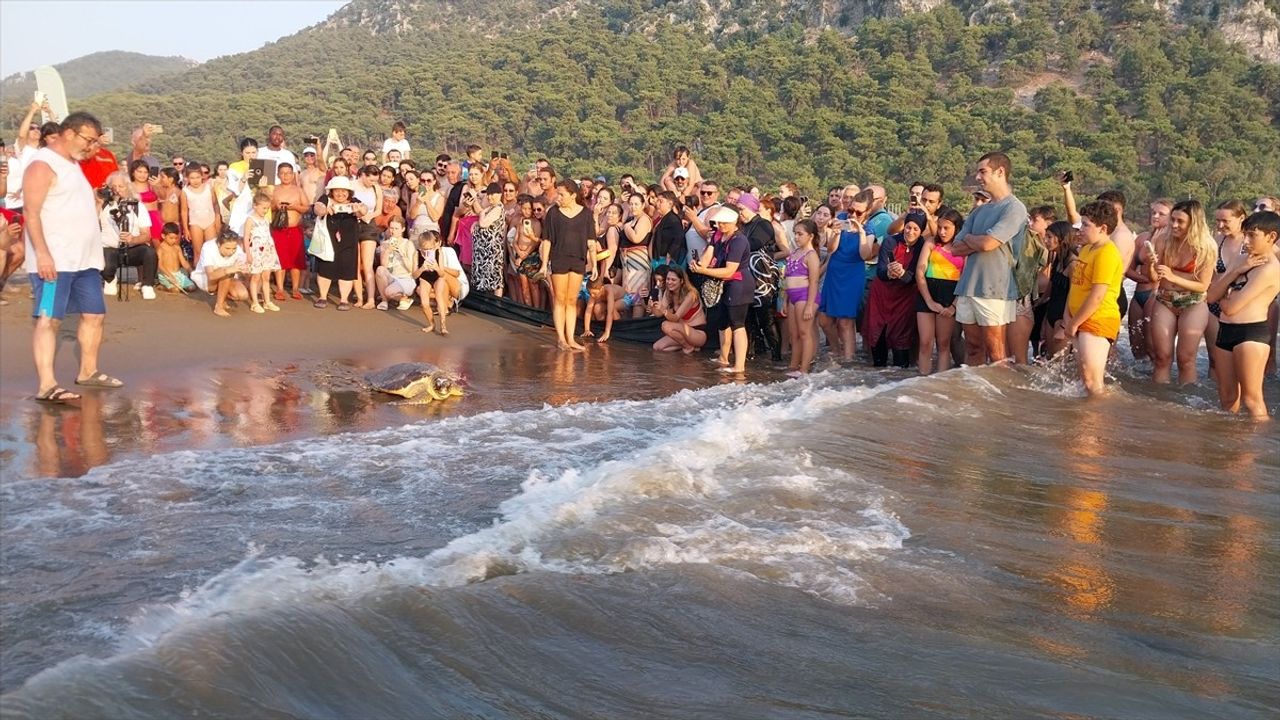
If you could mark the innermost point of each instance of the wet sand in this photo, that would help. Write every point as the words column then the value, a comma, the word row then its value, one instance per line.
column 193, row 380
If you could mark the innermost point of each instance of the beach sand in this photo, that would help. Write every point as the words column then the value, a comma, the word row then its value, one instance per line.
column 194, row 380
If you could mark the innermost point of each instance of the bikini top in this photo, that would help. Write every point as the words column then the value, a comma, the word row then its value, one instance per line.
column 942, row 265
column 796, row 266
column 692, row 313
column 148, row 195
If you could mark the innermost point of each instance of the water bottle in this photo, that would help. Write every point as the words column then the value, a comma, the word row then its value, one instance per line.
column 46, row 298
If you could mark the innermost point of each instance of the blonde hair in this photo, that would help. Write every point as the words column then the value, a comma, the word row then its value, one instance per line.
column 1198, row 239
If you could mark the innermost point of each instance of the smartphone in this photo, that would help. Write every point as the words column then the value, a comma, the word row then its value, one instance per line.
column 108, row 135
column 1067, row 177
column 40, row 97
column 332, row 138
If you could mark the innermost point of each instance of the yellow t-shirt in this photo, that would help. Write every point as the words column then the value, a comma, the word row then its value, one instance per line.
column 1098, row 265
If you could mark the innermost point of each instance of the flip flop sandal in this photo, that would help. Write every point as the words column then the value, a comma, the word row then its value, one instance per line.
column 296, row 295
column 320, row 304
column 102, row 380
column 344, row 307
column 58, row 396
column 279, row 295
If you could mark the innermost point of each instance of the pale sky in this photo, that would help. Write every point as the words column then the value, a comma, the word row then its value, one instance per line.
column 197, row 29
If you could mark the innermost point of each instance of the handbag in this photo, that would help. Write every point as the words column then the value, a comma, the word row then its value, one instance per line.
column 321, row 244
column 279, row 219
column 712, row 290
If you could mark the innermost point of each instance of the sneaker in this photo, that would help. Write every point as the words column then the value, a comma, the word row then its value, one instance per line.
column 148, row 292
column 382, row 305
column 405, row 303
column 110, row 288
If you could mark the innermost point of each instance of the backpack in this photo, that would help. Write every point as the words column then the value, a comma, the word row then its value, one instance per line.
column 1027, row 265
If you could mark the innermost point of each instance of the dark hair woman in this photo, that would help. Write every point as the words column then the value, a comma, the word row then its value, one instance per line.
column 568, row 235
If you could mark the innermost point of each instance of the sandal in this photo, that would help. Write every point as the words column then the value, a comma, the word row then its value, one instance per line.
column 383, row 305
column 57, row 395
column 344, row 306
column 279, row 295
column 296, row 295
column 102, row 380
column 320, row 304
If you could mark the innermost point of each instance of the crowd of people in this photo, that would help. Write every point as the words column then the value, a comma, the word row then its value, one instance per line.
column 770, row 273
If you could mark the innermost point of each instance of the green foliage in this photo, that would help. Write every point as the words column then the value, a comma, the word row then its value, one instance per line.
column 1114, row 93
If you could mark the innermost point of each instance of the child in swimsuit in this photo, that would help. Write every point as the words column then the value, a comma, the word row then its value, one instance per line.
column 1245, row 291
column 936, row 280
column 800, row 281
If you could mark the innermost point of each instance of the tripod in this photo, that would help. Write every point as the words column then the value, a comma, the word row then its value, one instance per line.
column 121, row 215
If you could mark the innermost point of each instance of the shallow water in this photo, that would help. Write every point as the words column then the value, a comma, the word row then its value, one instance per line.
column 640, row 541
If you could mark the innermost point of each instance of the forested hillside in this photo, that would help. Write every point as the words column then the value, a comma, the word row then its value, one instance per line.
column 97, row 73
column 1119, row 93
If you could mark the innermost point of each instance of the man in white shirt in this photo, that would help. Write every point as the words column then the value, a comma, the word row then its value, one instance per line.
column 64, row 255
column 275, row 150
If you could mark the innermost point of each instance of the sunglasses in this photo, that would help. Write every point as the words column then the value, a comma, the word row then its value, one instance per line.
column 707, row 192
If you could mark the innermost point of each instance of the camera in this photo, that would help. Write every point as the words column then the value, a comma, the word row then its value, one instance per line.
column 312, row 140
column 105, row 194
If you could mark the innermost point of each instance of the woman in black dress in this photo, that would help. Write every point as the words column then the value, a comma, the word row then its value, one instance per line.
column 568, row 232
column 342, row 218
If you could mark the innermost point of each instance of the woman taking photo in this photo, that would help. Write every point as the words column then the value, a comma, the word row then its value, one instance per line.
column 1182, row 267
column 140, row 183
column 727, row 259
column 238, row 189
column 568, row 231
column 440, row 278
column 342, row 219
column 635, row 255
column 890, row 326
column 489, row 237
column 684, row 325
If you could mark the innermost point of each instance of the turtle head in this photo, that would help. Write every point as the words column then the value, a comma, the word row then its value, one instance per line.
column 444, row 386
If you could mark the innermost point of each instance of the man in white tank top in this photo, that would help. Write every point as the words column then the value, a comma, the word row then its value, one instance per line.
column 64, row 254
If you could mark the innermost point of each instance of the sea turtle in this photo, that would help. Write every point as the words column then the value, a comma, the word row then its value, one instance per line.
column 421, row 382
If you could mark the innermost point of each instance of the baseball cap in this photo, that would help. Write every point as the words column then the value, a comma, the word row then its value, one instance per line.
column 308, row 150
column 681, row 173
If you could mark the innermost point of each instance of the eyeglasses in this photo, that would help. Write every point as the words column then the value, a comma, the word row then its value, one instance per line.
column 88, row 140
column 508, row 190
